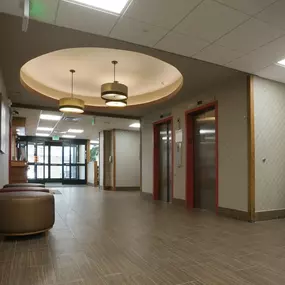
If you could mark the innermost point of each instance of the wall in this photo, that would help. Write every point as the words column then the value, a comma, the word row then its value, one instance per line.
column 269, row 106
column 90, row 178
column 4, row 158
column 233, row 143
column 127, row 158
column 101, row 159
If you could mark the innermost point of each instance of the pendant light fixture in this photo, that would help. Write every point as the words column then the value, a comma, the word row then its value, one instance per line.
column 115, row 94
column 71, row 104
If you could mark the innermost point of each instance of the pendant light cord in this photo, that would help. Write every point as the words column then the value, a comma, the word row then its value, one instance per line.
column 72, row 80
column 114, row 62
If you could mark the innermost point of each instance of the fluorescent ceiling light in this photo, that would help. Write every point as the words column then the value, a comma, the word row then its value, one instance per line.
column 203, row 132
column 135, row 125
column 113, row 6
column 44, row 129
column 50, row 117
column 282, row 62
column 165, row 138
column 68, row 136
column 42, row 135
column 94, row 142
column 74, row 131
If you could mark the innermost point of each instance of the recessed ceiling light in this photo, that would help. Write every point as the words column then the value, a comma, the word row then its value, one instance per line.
column 112, row 6
column 282, row 62
column 74, row 131
column 135, row 125
column 44, row 129
column 94, row 142
column 50, row 117
column 42, row 135
column 68, row 136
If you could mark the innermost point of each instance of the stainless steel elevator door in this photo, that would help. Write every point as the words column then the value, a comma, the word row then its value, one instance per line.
column 205, row 161
column 165, row 162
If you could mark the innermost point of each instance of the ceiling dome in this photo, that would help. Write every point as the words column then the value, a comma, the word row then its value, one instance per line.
column 148, row 79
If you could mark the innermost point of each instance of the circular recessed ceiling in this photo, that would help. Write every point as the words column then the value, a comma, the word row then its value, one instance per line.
column 148, row 79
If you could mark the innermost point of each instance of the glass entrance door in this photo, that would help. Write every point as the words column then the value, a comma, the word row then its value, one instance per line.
column 74, row 167
column 55, row 163
column 63, row 162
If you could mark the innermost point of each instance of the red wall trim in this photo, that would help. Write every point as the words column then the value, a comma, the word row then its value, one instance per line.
column 10, row 152
column 189, row 180
column 156, row 156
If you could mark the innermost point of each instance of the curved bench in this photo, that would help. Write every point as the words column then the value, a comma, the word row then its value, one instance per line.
column 24, row 185
column 26, row 213
column 24, row 189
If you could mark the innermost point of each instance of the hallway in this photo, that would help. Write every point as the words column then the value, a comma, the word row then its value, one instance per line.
column 118, row 238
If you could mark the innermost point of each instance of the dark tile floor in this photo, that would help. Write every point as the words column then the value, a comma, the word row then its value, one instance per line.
column 118, row 238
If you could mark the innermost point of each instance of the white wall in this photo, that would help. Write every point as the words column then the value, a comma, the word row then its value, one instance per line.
column 127, row 158
column 233, row 147
column 90, row 178
column 4, row 158
column 269, row 108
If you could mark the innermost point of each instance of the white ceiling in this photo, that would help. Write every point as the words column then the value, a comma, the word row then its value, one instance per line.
column 85, row 123
column 246, row 35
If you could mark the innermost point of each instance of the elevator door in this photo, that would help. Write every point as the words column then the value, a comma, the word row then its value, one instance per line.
column 165, row 162
column 205, row 161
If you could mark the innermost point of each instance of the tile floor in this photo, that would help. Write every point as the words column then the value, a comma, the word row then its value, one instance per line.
column 118, row 238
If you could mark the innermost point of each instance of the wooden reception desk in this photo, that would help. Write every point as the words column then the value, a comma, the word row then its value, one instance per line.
column 18, row 172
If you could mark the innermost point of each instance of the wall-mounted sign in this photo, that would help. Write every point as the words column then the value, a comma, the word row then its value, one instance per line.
column 178, row 136
column 55, row 138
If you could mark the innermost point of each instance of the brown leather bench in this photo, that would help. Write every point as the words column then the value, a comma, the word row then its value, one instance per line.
column 24, row 185
column 20, row 189
column 26, row 213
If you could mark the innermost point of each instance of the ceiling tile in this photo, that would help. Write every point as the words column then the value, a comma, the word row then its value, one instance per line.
column 274, row 14
column 274, row 72
column 87, row 20
column 211, row 20
column 250, row 35
column 181, row 44
column 163, row 13
column 262, row 57
column 11, row 7
column 250, row 7
column 44, row 10
column 217, row 54
column 137, row 32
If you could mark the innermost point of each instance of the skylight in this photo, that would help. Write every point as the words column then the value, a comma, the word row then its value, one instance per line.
column 112, row 6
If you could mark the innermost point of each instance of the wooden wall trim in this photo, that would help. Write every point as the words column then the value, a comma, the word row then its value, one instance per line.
column 251, row 150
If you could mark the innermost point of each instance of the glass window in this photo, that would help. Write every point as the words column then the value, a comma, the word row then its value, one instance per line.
column 31, row 152
column 55, row 172
column 40, row 153
column 40, row 172
column 31, row 172
column 66, row 154
column 81, row 154
column 56, row 154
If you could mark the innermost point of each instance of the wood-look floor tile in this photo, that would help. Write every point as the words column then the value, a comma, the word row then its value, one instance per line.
column 39, row 257
column 116, row 238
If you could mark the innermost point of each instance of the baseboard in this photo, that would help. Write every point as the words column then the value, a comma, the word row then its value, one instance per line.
column 128, row 188
column 179, row 202
column 234, row 214
column 108, row 188
column 91, row 184
column 146, row 196
column 270, row 215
